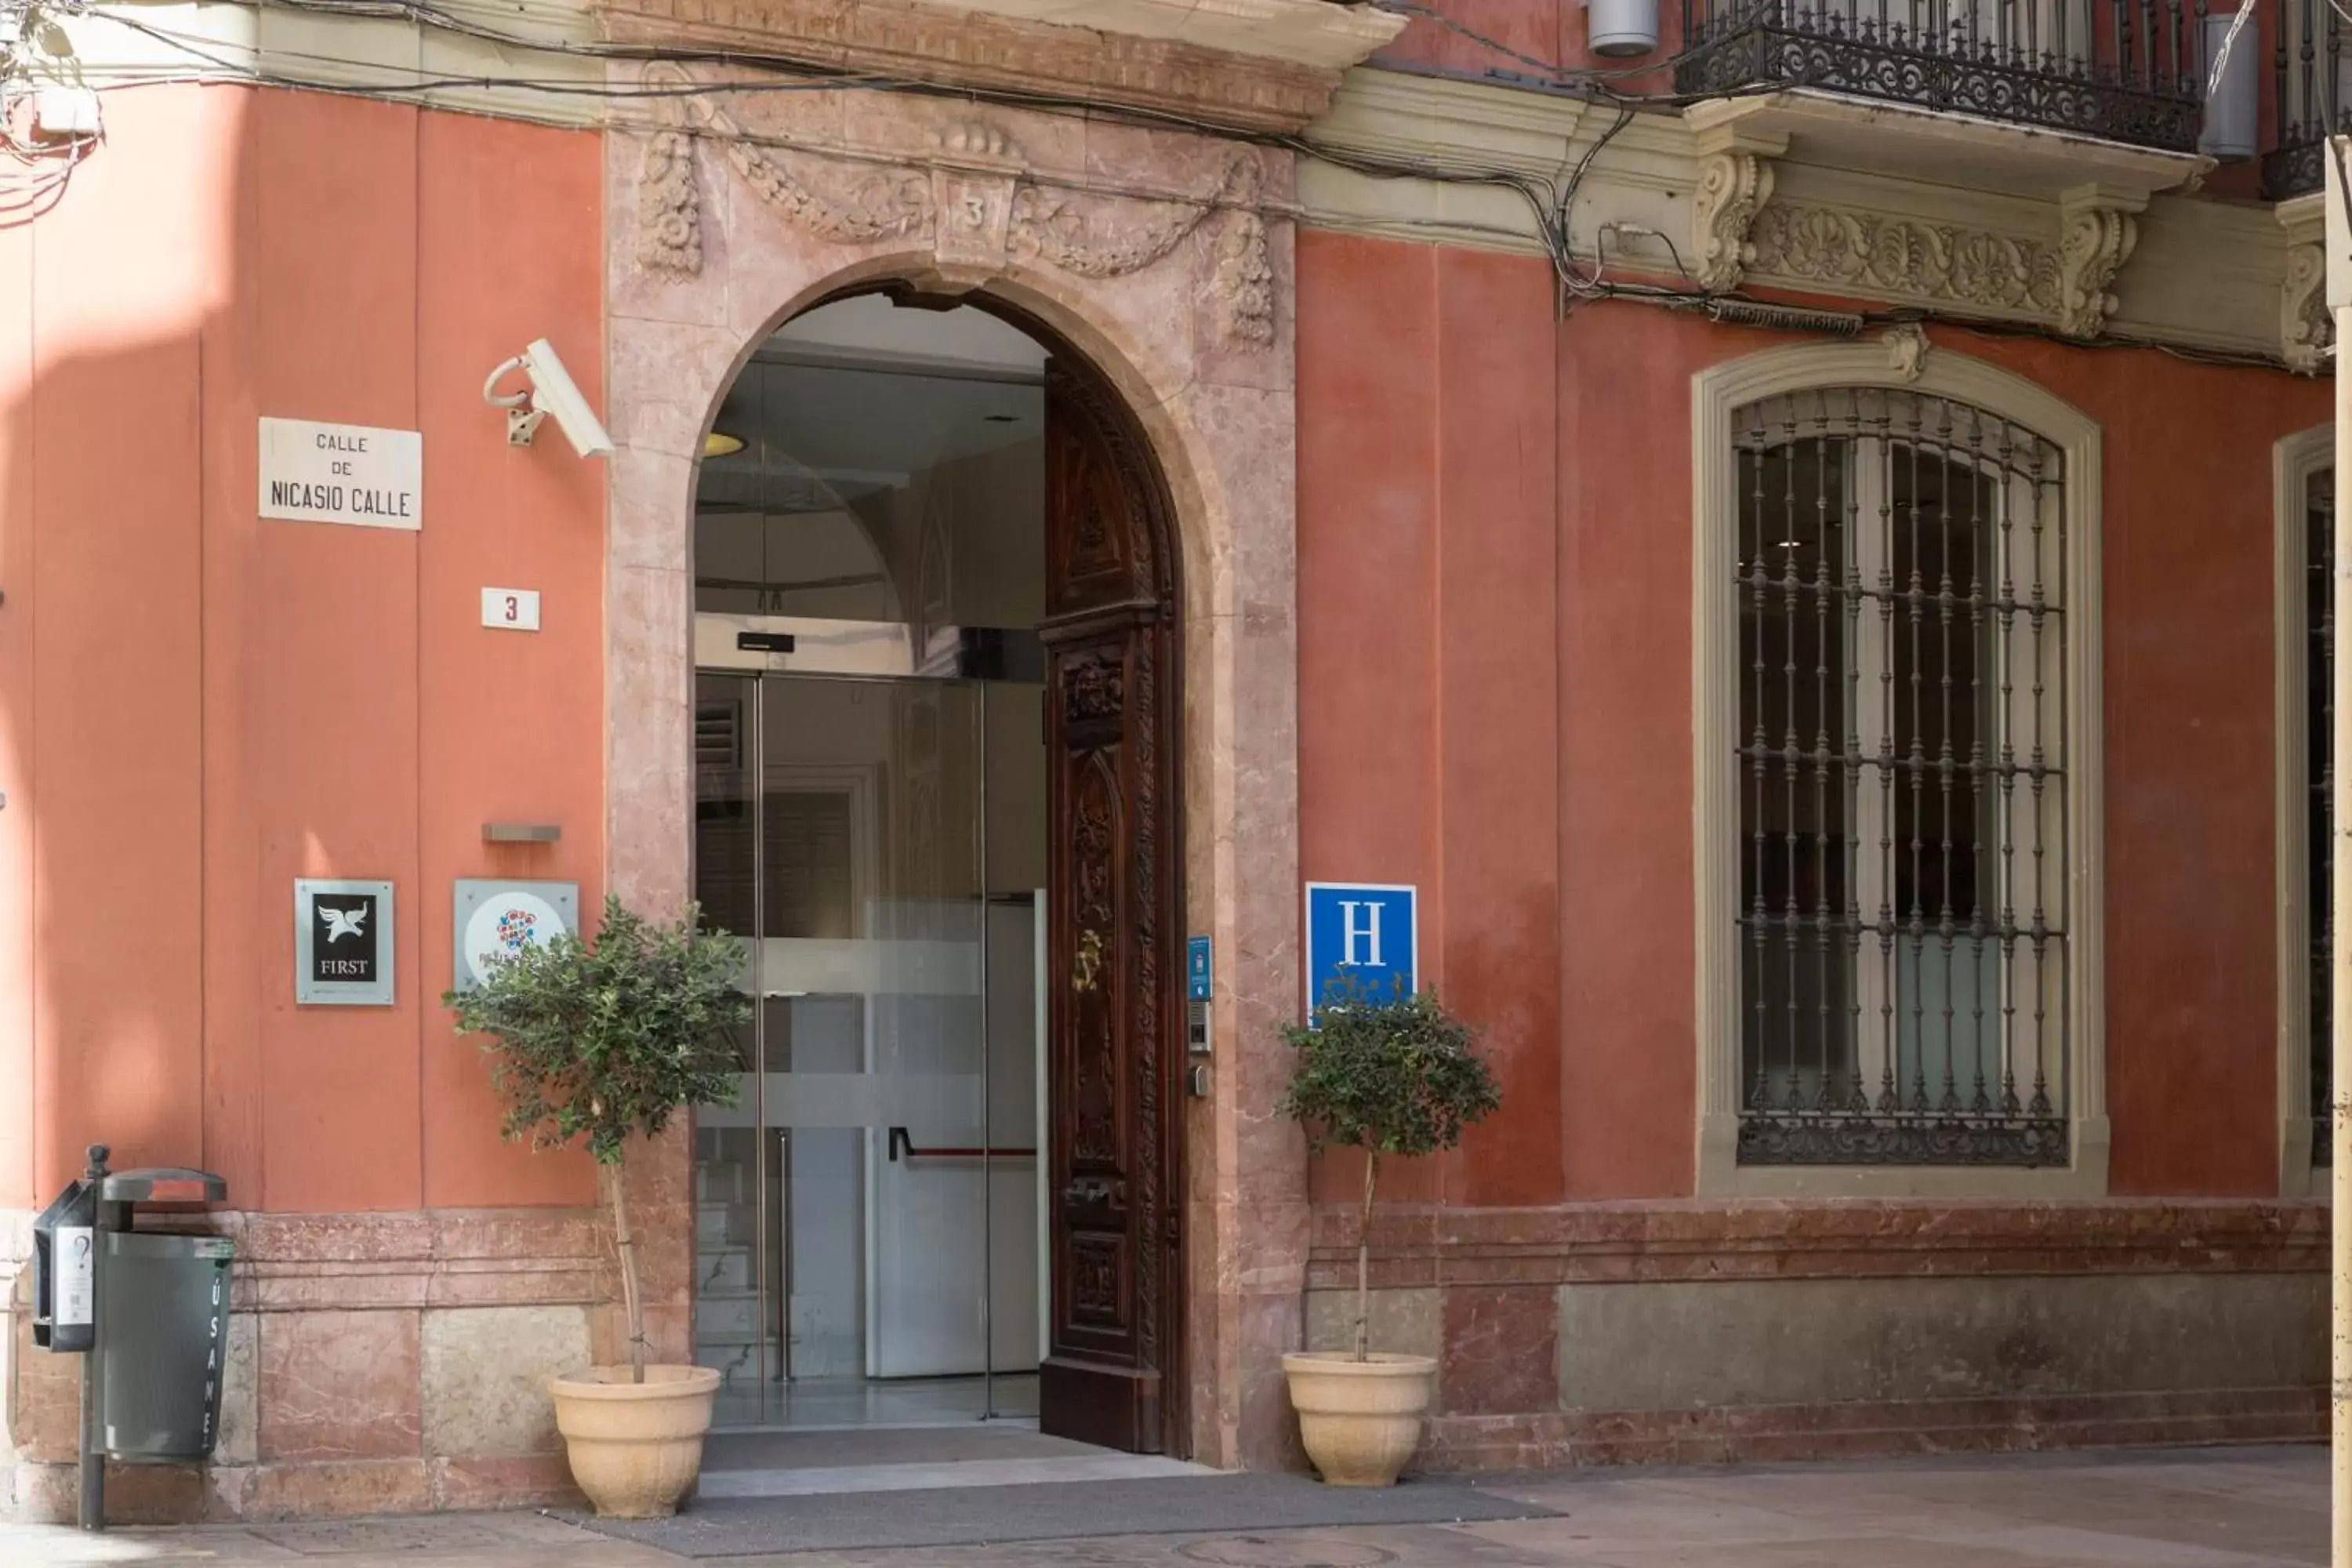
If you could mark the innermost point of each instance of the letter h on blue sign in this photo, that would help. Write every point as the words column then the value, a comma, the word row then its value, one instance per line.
column 1361, row 936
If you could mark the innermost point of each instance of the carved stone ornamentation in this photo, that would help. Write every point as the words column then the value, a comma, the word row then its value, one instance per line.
column 845, row 204
column 833, row 198
column 1245, row 275
column 1099, row 238
column 1974, row 269
column 669, row 205
column 2096, row 240
column 2306, row 329
column 1245, row 284
column 977, row 141
column 1906, row 350
column 1733, row 188
column 973, row 204
column 1096, row 236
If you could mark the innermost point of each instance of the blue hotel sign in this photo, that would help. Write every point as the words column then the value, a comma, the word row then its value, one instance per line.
column 1366, row 933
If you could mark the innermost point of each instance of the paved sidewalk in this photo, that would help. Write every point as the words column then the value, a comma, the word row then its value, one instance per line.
column 2243, row 1507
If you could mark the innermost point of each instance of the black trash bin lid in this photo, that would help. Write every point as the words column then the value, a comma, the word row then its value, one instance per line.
column 164, row 1184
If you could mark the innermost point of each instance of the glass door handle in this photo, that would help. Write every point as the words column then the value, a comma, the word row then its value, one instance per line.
column 902, row 1141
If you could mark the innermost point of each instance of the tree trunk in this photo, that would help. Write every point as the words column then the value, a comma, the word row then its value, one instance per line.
column 1364, row 1259
column 628, row 1247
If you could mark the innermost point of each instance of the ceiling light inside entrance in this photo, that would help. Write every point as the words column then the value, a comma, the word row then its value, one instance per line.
column 719, row 443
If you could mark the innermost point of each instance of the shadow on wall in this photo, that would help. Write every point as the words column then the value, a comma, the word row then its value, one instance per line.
column 198, row 707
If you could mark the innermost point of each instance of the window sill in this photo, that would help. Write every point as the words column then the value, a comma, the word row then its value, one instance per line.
column 1720, row 1176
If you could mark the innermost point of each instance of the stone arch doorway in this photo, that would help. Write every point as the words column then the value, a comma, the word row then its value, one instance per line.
column 1168, row 264
column 939, row 779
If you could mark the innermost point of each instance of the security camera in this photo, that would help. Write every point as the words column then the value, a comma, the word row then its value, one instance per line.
column 553, row 391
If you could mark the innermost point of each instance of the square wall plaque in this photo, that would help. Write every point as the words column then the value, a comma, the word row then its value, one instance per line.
column 496, row 916
column 343, row 943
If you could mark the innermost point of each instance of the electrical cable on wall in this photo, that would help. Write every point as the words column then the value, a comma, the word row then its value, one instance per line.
column 1550, row 204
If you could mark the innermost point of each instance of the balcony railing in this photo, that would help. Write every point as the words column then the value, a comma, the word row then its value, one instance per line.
column 2309, row 79
column 2123, row 71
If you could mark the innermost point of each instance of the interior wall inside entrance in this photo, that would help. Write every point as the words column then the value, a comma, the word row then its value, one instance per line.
column 871, row 817
column 890, row 468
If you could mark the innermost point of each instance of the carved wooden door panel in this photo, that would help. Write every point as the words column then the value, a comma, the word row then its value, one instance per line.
column 1112, row 1371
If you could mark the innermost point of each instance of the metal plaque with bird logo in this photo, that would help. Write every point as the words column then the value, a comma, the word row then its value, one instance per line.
column 342, row 942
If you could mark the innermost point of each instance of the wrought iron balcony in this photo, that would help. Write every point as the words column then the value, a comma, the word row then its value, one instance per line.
column 2122, row 70
column 2308, row 71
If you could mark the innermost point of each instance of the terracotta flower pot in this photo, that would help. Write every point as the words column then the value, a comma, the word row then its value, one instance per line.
column 634, row 1448
column 1360, row 1420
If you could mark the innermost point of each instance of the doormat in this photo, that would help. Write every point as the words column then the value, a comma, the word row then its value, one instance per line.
column 1055, row 1510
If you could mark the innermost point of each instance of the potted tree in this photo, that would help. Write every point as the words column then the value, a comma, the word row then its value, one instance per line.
column 606, row 1041
column 1397, row 1076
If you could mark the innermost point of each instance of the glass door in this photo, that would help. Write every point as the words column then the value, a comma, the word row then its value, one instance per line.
column 867, row 1243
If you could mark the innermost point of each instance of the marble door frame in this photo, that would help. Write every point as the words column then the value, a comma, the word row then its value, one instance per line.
column 1165, row 259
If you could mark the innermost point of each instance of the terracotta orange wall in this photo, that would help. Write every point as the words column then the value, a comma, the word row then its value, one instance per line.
column 1495, row 699
column 201, row 706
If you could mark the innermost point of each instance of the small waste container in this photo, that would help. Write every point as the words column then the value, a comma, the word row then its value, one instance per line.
column 147, row 1309
column 165, row 1345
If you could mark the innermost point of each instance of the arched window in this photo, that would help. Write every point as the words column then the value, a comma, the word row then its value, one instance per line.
column 1890, row 658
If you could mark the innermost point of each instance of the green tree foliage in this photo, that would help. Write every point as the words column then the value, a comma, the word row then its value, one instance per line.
column 1396, row 1075
column 602, row 1041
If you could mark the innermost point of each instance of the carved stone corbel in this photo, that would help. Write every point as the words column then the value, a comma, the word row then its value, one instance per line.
column 1734, row 184
column 2097, row 230
column 2307, row 329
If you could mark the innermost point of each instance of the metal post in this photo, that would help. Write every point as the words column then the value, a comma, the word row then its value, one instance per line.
column 2339, row 1036
column 91, row 1513
column 987, row 1105
column 761, row 690
column 2339, row 300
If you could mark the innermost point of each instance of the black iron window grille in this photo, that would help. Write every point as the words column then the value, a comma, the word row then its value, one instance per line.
column 2319, row 780
column 2123, row 71
column 2312, row 89
column 1902, row 915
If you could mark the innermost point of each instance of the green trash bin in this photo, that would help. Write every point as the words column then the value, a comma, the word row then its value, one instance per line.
column 164, row 1351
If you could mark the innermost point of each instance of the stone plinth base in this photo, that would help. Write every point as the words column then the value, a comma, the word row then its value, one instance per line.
column 377, row 1364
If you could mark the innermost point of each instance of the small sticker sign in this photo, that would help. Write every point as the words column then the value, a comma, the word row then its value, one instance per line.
column 1199, row 988
column 76, row 1274
column 498, row 919
column 343, row 943
column 354, row 474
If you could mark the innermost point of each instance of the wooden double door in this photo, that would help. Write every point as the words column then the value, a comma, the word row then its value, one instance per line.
column 1114, row 1370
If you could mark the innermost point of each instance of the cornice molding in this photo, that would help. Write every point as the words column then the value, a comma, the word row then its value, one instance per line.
column 969, row 48
column 1959, row 216
column 1248, row 65
column 1839, row 131
column 382, row 56
column 1314, row 33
